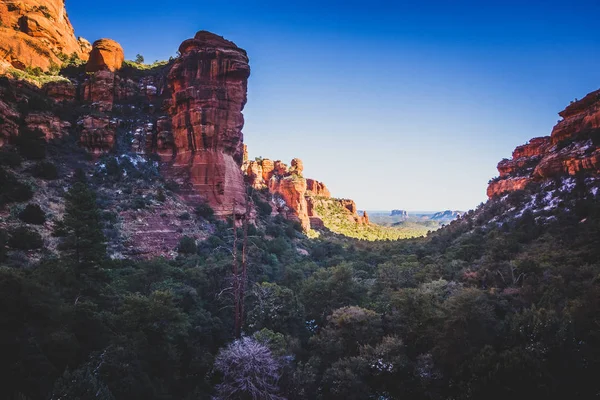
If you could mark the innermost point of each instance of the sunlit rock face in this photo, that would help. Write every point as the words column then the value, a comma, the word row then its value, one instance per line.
column 37, row 33
column 316, row 188
column 294, row 196
column 106, row 55
column 209, row 84
column 570, row 149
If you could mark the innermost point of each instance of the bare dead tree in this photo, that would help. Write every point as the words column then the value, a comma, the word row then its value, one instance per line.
column 249, row 371
column 244, row 281
column 236, row 279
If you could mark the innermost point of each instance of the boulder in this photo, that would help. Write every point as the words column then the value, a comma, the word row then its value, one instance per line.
column 107, row 55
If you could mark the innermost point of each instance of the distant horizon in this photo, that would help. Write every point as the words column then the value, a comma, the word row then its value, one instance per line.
column 411, row 104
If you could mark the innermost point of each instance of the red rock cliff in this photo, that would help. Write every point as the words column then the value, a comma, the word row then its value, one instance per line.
column 571, row 148
column 34, row 33
column 293, row 195
column 209, row 88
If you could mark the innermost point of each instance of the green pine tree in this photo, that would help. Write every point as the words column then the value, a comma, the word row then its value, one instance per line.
column 83, row 241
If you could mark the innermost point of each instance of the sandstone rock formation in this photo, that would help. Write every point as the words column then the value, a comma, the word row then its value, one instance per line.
column 106, row 55
column 316, row 189
column 295, row 196
column 52, row 126
column 209, row 90
column 99, row 90
column 571, row 148
column 37, row 33
column 97, row 133
column 60, row 91
column 9, row 128
column 292, row 189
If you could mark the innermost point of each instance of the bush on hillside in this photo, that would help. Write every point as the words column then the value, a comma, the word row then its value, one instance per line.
column 33, row 214
column 45, row 170
column 23, row 238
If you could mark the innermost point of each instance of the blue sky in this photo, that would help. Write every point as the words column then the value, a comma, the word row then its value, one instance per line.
column 405, row 105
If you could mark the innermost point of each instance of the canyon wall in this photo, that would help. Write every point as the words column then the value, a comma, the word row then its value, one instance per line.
column 35, row 33
column 571, row 148
column 209, row 84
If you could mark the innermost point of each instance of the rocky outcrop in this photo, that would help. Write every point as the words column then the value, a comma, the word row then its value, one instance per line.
column 209, row 88
column 570, row 149
column 37, row 33
column 9, row 128
column 291, row 189
column 316, row 189
column 52, row 126
column 99, row 90
column 578, row 117
column 60, row 91
column 106, row 55
column 293, row 195
column 97, row 133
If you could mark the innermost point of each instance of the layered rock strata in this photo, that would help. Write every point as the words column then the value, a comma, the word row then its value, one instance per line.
column 209, row 83
column 571, row 148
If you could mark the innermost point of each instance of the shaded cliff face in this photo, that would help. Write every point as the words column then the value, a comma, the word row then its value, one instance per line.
column 34, row 33
column 209, row 90
column 571, row 148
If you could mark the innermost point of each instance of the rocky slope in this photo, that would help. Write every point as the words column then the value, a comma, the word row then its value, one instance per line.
column 37, row 33
column 570, row 149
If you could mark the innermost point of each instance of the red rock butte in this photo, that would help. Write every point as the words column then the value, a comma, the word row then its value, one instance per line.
column 209, row 84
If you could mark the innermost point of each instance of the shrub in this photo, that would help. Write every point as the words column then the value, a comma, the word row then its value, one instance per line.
column 160, row 196
column 33, row 214
column 278, row 246
column 10, row 159
column 187, row 245
column 205, row 211
column 139, row 203
column 172, row 186
column 23, row 238
column 31, row 143
column 264, row 208
column 45, row 170
column 185, row 216
column 11, row 190
column 3, row 240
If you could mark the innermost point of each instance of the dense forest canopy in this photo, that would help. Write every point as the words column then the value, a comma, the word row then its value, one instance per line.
column 502, row 302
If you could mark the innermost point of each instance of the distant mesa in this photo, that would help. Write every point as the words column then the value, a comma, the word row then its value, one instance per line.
column 399, row 213
column 448, row 215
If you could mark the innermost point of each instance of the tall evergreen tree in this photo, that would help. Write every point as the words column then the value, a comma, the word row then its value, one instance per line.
column 80, row 227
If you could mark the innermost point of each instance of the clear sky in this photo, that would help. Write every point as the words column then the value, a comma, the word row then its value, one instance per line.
column 403, row 104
